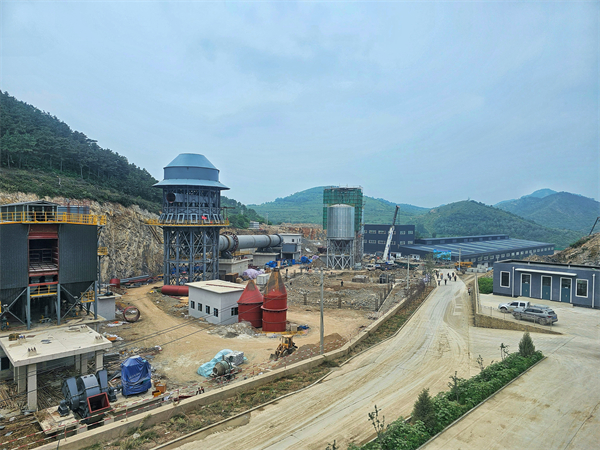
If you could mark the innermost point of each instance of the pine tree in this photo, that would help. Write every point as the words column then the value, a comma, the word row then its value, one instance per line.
column 526, row 347
column 424, row 411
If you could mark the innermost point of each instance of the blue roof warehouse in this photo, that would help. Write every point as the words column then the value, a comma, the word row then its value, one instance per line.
column 476, row 249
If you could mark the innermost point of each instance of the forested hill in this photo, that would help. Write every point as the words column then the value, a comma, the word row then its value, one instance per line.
column 40, row 154
column 559, row 210
column 473, row 218
column 456, row 219
column 307, row 207
column 32, row 140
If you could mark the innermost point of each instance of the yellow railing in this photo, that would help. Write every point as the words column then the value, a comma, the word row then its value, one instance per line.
column 87, row 297
column 42, row 291
column 50, row 217
column 102, row 251
column 187, row 223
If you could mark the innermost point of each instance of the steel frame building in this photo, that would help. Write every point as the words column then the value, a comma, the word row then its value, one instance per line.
column 48, row 261
column 376, row 237
column 191, row 219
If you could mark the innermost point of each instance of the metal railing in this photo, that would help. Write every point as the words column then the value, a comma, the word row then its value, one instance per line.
column 51, row 217
column 188, row 223
column 44, row 290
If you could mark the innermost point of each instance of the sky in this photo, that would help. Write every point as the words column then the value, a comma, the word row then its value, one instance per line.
column 425, row 103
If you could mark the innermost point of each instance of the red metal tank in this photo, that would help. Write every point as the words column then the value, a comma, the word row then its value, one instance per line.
column 274, row 320
column 249, row 305
column 179, row 291
column 115, row 282
column 275, row 292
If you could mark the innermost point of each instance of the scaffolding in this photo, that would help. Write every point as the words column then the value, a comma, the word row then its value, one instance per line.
column 353, row 196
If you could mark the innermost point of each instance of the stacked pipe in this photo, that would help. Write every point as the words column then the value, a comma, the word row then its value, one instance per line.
column 250, row 305
column 275, row 304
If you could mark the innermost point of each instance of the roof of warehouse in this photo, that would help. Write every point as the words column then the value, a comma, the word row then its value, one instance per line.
column 550, row 264
column 217, row 286
column 474, row 248
column 437, row 239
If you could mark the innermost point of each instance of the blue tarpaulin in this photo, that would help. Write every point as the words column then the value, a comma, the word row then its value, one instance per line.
column 206, row 369
column 135, row 375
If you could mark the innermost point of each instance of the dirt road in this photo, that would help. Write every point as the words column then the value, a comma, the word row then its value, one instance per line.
column 390, row 376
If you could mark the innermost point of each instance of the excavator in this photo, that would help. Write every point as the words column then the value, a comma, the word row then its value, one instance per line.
column 286, row 347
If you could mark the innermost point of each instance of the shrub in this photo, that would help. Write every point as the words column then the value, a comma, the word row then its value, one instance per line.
column 526, row 347
column 580, row 242
column 486, row 285
column 424, row 411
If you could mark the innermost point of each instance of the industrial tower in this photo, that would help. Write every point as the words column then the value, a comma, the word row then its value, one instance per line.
column 191, row 219
column 353, row 196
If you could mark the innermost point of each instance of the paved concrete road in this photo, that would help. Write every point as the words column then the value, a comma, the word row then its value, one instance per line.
column 424, row 354
column 554, row 406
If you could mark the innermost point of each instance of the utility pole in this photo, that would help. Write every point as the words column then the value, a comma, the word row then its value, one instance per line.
column 322, row 334
column 407, row 274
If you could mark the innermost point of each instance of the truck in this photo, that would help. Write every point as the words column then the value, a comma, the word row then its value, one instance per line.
column 511, row 306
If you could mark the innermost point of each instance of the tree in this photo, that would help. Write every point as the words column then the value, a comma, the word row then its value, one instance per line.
column 526, row 347
column 424, row 411
column 379, row 426
column 486, row 285
column 429, row 264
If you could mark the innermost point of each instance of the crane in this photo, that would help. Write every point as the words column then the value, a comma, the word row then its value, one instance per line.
column 386, row 252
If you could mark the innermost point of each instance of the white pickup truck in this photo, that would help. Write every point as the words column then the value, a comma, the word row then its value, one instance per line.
column 510, row 307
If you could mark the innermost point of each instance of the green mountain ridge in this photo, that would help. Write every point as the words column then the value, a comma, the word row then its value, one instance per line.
column 454, row 219
column 558, row 210
column 307, row 207
column 474, row 218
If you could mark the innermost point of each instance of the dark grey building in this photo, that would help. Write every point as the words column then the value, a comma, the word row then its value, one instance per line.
column 376, row 238
column 568, row 283
column 478, row 249
column 48, row 261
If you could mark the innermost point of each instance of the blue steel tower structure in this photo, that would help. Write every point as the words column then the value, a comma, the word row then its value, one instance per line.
column 191, row 219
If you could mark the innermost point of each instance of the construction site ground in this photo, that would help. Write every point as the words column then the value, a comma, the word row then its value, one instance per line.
column 186, row 343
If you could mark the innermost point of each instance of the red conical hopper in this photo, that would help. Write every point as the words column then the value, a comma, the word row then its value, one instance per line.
column 275, row 293
column 275, row 305
column 249, row 305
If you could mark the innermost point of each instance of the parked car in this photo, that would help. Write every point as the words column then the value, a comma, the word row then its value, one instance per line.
column 542, row 316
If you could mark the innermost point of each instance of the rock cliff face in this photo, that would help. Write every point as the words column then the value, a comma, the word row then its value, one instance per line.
column 132, row 248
